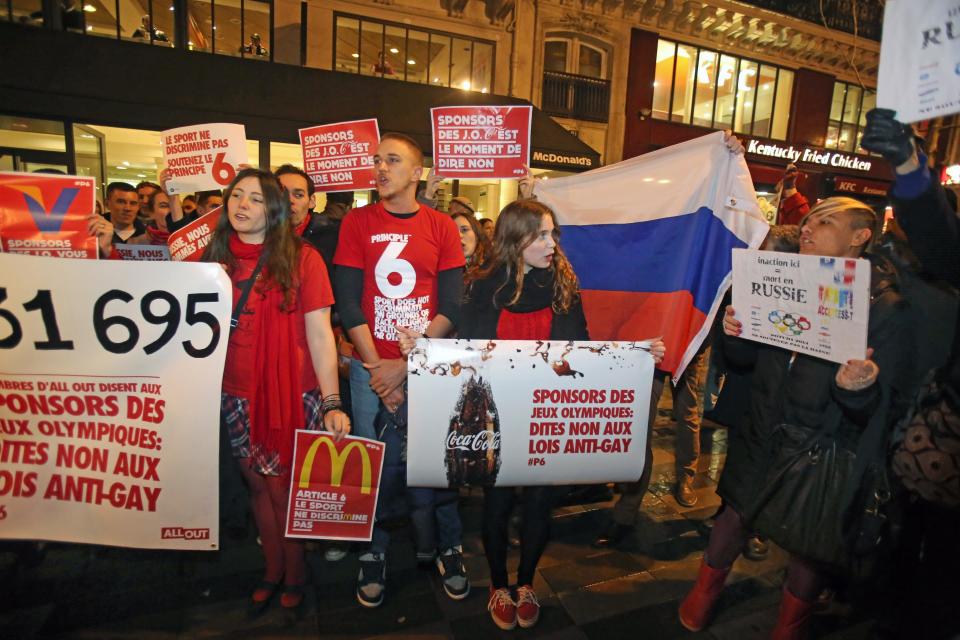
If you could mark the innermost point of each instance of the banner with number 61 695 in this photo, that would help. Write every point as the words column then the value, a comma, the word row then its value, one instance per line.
column 109, row 400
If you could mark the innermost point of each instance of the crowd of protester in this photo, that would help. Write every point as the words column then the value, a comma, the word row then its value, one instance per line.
column 885, row 511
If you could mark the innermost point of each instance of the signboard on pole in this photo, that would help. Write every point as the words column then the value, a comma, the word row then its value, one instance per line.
column 919, row 59
column 47, row 215
column 339, row 156
column 812, row 304
column 105, row 435
column 524, row 412
column 203, row 156
column 334, row 487
column 481, row 142
column 187, row 244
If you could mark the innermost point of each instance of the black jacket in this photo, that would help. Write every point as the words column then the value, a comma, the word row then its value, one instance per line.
column 480, row 315
column 323, row 232
column 805, row 392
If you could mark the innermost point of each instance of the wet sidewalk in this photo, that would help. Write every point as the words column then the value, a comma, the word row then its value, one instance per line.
column 97, row 592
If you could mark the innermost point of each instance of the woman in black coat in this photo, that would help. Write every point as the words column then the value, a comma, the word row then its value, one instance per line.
column 808, row 392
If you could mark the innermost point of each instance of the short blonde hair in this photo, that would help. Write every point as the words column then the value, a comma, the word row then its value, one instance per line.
column 861, row 216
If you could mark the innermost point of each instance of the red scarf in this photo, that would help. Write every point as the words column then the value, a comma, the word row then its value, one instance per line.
column 276, row 409
column 157, row 235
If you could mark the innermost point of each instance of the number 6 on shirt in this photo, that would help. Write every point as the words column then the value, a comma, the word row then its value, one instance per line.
column 391, row 262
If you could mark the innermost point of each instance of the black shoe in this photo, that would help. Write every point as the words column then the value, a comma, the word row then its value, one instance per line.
column 612, row 536
column 684, row 492
column 756, row 548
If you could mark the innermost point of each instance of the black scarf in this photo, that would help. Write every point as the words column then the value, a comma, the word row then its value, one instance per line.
column 537, row 292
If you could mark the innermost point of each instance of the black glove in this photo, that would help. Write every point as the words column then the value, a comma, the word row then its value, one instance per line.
column 887, row 136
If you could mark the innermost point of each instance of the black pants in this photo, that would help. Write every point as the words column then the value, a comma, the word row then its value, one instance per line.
column 534, row 530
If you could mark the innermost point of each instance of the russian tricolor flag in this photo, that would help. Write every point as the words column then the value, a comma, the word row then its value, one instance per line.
column 650, row 239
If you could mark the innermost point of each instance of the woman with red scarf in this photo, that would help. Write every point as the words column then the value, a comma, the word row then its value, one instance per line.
column 281, row 368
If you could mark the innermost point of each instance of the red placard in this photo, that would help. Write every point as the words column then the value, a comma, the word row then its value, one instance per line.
column 481, row 142
column 339, row 156
column 333, row 487
column 46, row 215
column 187, row 244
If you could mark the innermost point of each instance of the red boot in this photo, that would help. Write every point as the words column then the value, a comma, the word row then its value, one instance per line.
column 696, row 607
column 793, row 618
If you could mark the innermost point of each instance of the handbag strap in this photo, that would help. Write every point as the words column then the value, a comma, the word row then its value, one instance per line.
column 245, row 293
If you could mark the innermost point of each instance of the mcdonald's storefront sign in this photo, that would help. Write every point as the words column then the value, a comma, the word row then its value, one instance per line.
column 334, row 487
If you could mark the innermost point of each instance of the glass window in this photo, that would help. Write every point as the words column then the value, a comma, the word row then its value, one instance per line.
column 282, row 153
column 99, row 19
column 705, row 88
column 395, row 50
column 726, row 90
column 440, row 60
column 746, row 92
column 256, row 29
column 32, row 133
column 25, row 11
column 836, row 106
column 348, row 45
column 163, row 18
column 555, row 56
column 227, row 27
column 833, row 135
column 482, row 67
column 663, row 79
column 200, row 25
column 852, row 105
column 373, row 59
column 683, row 83
column 782, row 105
column 591, row 62
column 460, row 65
column 763, row 111
column 418, row 47
column 869, row 103
column 848, row 137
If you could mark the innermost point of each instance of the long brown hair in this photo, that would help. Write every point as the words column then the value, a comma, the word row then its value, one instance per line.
column 281, row 246
column 483, row 249
column 517, row 227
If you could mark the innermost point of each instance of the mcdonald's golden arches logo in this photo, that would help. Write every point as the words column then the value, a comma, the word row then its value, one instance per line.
column 337, row 461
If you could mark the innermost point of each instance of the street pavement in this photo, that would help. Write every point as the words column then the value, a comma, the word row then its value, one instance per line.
column 78, row 591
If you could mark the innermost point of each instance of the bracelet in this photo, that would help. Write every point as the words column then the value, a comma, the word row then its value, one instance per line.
column 330, row 403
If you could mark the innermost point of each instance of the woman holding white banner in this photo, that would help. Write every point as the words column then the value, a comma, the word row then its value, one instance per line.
column 281, row 368
column 526, row 291
column 819, row 434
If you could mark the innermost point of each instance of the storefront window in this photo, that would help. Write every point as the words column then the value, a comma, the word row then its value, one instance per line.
column 31, row 133
column 396, row 52
column 848, row 111
column 200, row 25
column 256, row 30
column 709, row 89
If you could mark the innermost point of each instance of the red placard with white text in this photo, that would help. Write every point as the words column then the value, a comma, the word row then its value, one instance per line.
column 333, row 487
column 187, row 244
column 481, row 142
column 339, row 156
column 202, row 157
column 46, row 215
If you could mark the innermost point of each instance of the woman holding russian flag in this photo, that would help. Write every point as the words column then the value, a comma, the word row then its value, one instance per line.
column 281, row 368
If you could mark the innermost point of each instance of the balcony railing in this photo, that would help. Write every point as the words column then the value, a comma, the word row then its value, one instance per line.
column 573, row 96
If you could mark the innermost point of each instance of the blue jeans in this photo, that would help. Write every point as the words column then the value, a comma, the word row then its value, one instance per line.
column 364, row 403
column 434, row 513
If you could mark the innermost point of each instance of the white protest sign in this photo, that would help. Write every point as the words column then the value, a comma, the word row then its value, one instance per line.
column 812, row 304
column 204, row 156
column 149, row 252
column 524, row 412
column 919, row 75
column 110, row 400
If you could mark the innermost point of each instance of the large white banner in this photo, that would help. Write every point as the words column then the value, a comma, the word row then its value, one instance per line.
column 520, row 412
column 109, row 400
column 811, row 304
column 919, row 75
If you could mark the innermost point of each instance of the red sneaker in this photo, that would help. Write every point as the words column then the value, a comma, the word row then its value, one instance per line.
column 502, row 608
column 528, row 609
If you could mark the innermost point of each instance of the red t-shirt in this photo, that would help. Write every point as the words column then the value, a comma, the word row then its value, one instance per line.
column 400, row 259
column 239, row 377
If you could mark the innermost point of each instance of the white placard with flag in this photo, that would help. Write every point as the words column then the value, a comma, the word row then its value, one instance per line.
column 110, row 400
column 811, row 304
column 650, row 240
column 526, row 412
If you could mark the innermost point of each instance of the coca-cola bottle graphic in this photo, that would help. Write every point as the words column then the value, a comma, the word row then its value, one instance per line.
column 473, row 440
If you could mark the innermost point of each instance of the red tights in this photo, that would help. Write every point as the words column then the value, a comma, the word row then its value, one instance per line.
column 268, row 500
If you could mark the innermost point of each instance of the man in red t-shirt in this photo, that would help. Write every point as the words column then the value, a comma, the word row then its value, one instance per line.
column 793, row 206
column 398, row 263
